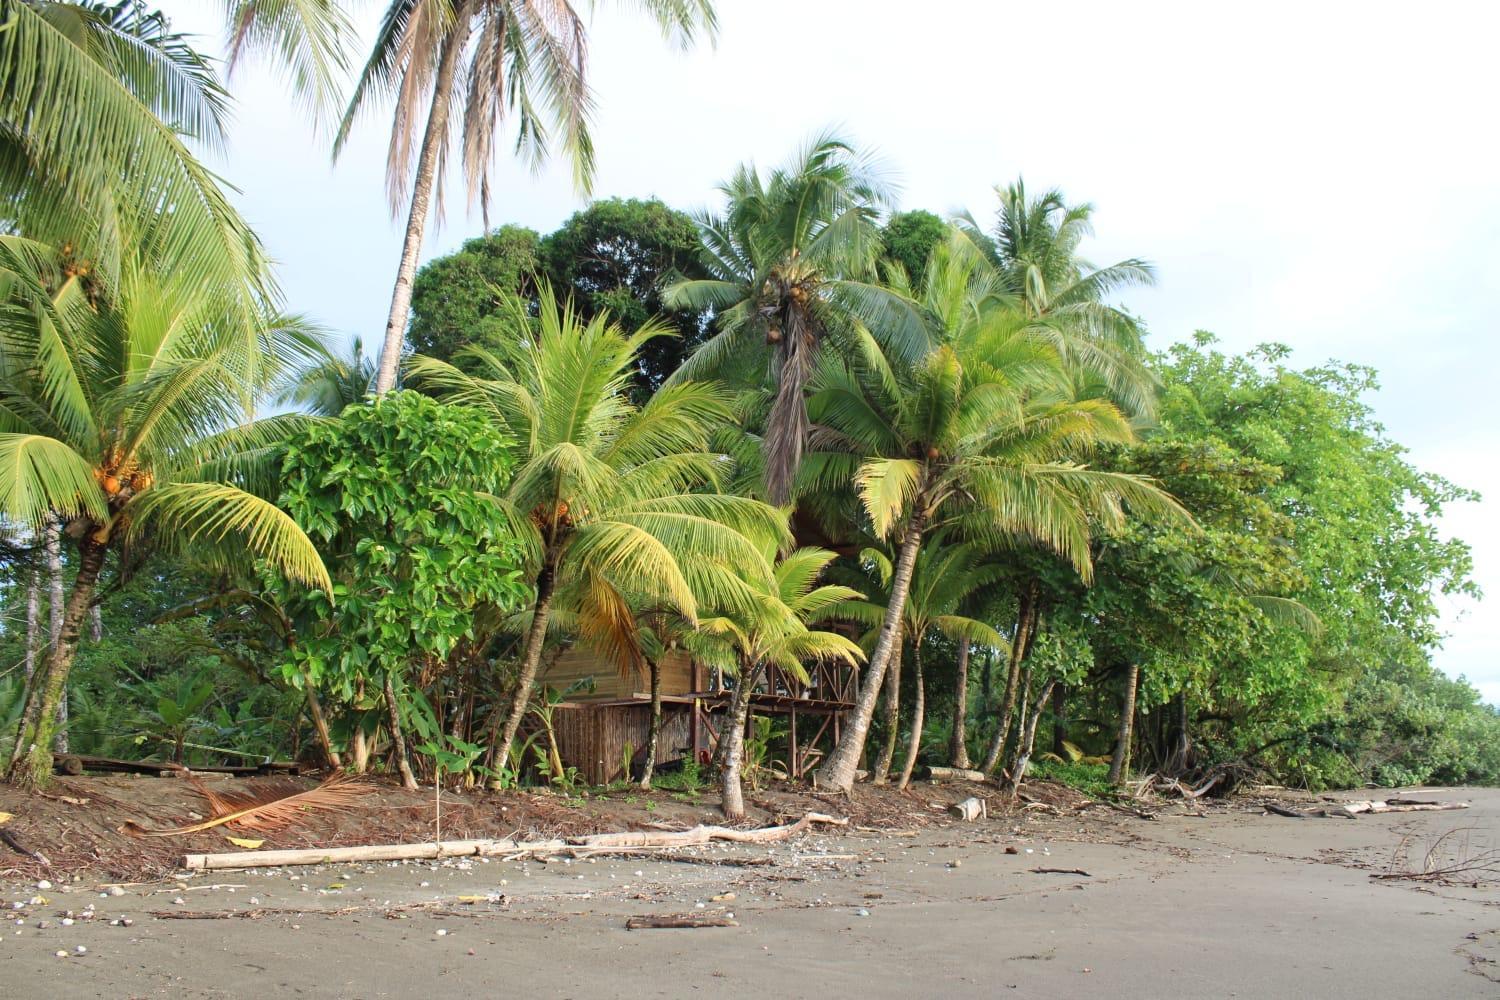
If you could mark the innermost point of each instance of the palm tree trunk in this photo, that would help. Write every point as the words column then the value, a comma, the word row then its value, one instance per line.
column 958, row 748
column 408, row 780
column 531, row 659
column 1119, row 765
column 423, row 182
column 55, row 623
column 320, row 724
column 731, row 791
column 1020, row 641
column 654, row 737
column 1060, row 719
column 31, row 762
column 33, row 621
column 881, row 772
column 918, row 716
column 787, row 425
column 837, row 771
column 1028, row 738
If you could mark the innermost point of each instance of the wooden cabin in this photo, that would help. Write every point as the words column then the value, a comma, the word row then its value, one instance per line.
column 604, row 721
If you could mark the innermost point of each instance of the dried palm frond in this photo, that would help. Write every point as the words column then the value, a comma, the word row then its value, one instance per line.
column 268, row 806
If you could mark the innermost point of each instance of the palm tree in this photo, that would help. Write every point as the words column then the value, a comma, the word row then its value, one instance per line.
column 331, row 383
column 127, row 419
column 609, row 495
column 1034, row 248
column 792, row 262
column 95, row 101
column 477, row 61
column 773, row 630
column 984, row 435
column 946, row 575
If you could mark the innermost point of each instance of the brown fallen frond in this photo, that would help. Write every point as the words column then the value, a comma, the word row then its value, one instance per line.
column 268, row 806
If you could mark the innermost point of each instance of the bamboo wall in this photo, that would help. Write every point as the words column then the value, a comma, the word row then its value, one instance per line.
column 594, row 738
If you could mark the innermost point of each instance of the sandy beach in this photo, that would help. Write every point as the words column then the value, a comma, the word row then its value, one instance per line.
column 1234, row 903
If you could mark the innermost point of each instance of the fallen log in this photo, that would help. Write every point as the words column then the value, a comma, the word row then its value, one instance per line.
column 658, row 921
column 970, row 809
column 1396, row 805
column 951, row 774
column 632, row 841
column 1272, row 807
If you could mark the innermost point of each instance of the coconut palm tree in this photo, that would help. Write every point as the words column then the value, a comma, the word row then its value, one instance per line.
column 946, row 575
column 95, row 101
column 1034, row 249
column 331, row 383
column 473, row 62
column 128, row 419
column 792, row 262
column 985, row 435
column 608, row 493
column 773, row 630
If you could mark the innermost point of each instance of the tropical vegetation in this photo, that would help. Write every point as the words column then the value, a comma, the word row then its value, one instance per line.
column 796, row 431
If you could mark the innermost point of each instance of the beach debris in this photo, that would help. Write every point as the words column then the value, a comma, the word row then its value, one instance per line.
column 265, row 807
column 658, row 921
column 970, row 809
column 1061, row 871
column 627, row 842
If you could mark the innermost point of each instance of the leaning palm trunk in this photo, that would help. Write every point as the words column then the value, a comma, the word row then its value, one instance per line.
column 1025, row 622
column 1028, row 738
column 423, row 182
column 958, row 750
column 33, row 623
column 918, row 716
column 531, row 661
column 398, row 740
column 881, row 772
column 320, row 722
column 731, row 791
column 648, row 769
column 837, row 771
column 31, row 763
column 1119, row 764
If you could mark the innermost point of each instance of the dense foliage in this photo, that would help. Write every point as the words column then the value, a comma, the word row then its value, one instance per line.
column 1035, row 544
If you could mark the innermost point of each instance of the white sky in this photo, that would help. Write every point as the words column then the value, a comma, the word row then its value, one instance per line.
column 1316, row 174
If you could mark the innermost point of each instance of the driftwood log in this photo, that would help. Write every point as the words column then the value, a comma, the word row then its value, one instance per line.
column 598, row 843
column 654, row 921
column 951, row 774
column 1348, row 810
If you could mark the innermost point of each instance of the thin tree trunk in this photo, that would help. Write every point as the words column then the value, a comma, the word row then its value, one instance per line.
column 408, row 780
column 881, row 772
column 1028, row 739
column 423, row 182
column 918, row 715
column 648, row 769
column 1120, row 763
column 1025, row 618
column 55, row 622
column 315, row 710
column 731, row 791
column 96, row 623
column 531, row 659
column 958, row 749
column 837, row 772
column 33, row 617
column 1060, row 719
column 31, row 762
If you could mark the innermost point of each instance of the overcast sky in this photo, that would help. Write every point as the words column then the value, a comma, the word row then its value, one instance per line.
column 1322, row 175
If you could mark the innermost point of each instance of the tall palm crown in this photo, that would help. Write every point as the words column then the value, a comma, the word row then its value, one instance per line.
column 792, row 262
column 480, row 61
column 1034, row 248
column 95, row 100
column 611, row 496
column 331, row 383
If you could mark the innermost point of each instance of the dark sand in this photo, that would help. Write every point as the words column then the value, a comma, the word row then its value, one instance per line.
column 1232, row 904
